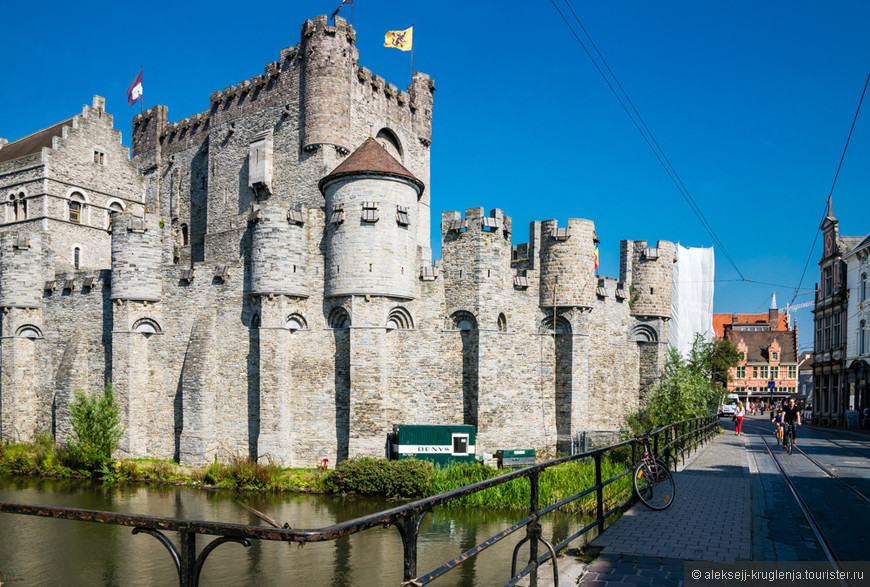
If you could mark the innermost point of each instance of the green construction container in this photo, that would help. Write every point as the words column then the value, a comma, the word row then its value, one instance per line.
column 515, row 458
column 441, row 445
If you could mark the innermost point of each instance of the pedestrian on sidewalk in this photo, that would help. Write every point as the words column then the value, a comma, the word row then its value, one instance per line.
column 762, row 408
column 738, row 415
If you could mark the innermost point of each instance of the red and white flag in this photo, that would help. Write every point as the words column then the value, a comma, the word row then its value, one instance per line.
column 134, row 92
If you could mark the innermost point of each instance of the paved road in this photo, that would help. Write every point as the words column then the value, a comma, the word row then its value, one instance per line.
column 733, row 504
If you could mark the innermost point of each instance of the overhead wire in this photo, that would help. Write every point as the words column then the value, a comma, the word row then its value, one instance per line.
column 833, row 184
column 645, row 132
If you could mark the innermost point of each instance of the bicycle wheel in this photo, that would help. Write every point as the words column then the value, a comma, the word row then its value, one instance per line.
column 790, row 440
column 654, row 485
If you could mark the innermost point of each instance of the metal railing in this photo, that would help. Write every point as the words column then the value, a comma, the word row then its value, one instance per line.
column 671, row 443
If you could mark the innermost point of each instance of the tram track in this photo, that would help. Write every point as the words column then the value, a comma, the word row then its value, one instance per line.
column 861, row 495
column 822, row 540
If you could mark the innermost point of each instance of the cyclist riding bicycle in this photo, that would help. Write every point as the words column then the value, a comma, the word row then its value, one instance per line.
column 776, row 419
column 791, row 414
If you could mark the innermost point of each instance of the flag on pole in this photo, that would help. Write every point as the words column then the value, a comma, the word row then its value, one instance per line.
column 596, row 258
column 134, row 92
column 343, row 2
column 401, row 40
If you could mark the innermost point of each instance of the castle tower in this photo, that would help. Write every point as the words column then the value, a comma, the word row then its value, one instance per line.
column 648, row 274
column 568, row 263
column 476, row 255
column 21, row 271
column 329, row 54
column 136, row 257
column 22, row 409
column 371, row 238
column 278, row 252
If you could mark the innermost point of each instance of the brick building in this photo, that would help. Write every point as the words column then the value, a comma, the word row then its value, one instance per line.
column 768, row 367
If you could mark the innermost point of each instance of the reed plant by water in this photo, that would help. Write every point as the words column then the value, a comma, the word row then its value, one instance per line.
column 554, row 484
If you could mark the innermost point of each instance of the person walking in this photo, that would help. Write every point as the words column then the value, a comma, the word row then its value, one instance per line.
column 738, row 417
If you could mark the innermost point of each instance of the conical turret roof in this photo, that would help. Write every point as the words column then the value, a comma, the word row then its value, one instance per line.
column 371, row 159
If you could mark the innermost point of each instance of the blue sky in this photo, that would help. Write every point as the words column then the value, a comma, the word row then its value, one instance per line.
column 750, row 101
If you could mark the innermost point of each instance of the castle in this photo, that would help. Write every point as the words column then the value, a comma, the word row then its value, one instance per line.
column 257, row 279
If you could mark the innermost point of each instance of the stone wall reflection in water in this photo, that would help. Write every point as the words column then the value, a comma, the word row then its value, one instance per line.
column 41, row 551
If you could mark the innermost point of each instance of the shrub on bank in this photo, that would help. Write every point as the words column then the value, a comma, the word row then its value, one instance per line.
column 374, row 476
column 97, row 429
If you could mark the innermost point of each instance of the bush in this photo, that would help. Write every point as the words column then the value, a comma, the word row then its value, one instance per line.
column 97, row 430
column 373, row 476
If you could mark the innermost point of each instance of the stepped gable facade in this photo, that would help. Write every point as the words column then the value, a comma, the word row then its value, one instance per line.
column 257, row 279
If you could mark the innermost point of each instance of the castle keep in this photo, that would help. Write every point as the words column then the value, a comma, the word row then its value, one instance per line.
column 258, row 280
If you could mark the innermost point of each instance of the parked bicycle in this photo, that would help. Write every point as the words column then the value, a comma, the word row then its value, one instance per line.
column 653, row 481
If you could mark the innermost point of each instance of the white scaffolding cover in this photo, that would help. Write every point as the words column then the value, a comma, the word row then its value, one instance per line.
column 692, row 300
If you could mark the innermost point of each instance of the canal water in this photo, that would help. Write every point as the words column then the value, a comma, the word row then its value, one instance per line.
column 44, row 551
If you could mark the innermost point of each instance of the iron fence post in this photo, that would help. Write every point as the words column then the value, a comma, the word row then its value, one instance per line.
column 187, row 575
column 534, row 529
column 599, row 494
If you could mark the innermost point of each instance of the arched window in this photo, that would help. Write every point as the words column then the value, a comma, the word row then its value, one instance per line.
column 463, row 320
column 77, row 258
column 862, row 337
column 502, row 323
column 562, row 325
column 146, row 326
column 29, row 331
column 21, row 213
column 76, row 207
column 391, row 143
column 114, row 206
column 295, row 322
column 339, row 318
column 11, row 209
column 399, row 319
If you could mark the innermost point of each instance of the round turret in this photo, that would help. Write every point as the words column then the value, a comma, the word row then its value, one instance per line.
column 652, row 274
column 278, row 253
column 371, row 234
column 136, row 257
column 21, row 271
column 329, row 56
column 568, row 263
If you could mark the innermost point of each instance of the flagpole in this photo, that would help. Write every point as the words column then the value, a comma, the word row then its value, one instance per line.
column 412, row 53
column 142, row 101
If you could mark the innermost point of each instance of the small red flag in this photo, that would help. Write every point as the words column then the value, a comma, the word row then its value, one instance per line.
column 134, row 92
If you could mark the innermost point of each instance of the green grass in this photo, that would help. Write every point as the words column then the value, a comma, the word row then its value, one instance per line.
column 364, row 476
column 554, row 484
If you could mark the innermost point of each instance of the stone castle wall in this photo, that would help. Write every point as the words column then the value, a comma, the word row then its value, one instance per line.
column 234, row 317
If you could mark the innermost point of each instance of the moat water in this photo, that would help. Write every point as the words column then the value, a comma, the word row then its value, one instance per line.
column 44, row 551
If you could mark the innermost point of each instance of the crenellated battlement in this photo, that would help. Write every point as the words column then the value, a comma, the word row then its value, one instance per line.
column 647, row 272
column 476, row 223
column 320, row 25
column 567, row 257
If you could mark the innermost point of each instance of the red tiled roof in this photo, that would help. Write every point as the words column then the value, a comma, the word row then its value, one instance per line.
column 758, row 341
column 33, row 143
column 371, row 158
column 721, row 320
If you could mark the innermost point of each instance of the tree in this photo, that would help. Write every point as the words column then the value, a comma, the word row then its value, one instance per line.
column 723, row 357
column 687, row 388
column 97, row 429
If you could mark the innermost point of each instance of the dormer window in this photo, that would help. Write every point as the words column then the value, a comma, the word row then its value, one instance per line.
column 774, row 356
